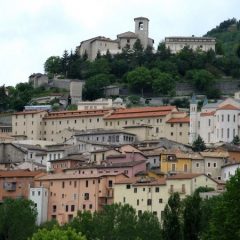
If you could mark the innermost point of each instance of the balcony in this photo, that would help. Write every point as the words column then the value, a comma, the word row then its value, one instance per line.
column 9, row 186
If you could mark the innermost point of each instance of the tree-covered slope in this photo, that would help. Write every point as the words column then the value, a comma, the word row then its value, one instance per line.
column 227, row 34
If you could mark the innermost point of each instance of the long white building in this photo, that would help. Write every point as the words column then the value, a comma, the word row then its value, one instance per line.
column 216, row 122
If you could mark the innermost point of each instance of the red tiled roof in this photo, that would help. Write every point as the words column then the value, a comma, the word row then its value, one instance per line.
column 137, row 115
column 139, row 181
column 19, row 173
column 205, row 114
column 29, row 112
column 184, row 176
column 228, row 107
column 82, row 113
column 179, row 120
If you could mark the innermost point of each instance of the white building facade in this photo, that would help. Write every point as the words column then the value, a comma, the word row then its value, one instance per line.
column 39, row 196
column 229, row 170
column 216, row 122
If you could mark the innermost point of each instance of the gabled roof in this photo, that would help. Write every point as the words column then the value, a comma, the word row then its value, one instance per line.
column 184, row 176
column 141, row 112
column 206, row 114
column 127, row 35
column 19, row 173
column 228, row 107
column 179, row 120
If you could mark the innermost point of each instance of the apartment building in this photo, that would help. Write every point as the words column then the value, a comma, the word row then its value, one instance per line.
column 216, row 122
column 146, row 123
column 28, row 124
column 150, row 194
column 16, row 184
column 69, row 193
column 151, row 122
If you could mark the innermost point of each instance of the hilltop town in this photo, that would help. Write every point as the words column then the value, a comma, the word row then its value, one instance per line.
column 114, row 127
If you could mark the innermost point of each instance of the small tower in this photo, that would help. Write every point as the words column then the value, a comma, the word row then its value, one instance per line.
column 141, row 30
column 193, row 129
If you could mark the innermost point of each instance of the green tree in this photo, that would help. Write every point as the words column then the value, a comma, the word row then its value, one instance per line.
column 236, row 140
column 171, row 226
column 139, row 79
column 84, row 222
column 198, row 145
column 164, row 84
column 148, row 227
column 17, row 219
column 116, row 222
column 93, row 87
column 58, row 234
column 3, row 99
column 192, row 217
column 137, row 46
column 53, row 65
column 224, row 223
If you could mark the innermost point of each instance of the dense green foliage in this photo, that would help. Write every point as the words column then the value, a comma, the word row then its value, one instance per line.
column 57, row 233
column 145, row 72
column 15, row 98
column 198, row 145
column 17, row 219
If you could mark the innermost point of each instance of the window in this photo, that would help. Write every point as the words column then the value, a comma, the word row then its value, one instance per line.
column 39, row 193
column 84, row 206
column 160, row 200
column 171, row 133
column 156, row 189
column 215, row 165
column 234, row 118
column 63, row 195
column 222, row 118
column 66, row 208
column 157, row 130
column 90, row 206
column 222, row 133
column 124, row 199
column 135, row 190
column 149, row 202
column 180, row 134
column 54, row 208
column 209, row 122
column 143, row 189
column 110, row 183
column 72, row 208
column 197, row 165
column 128, row 186
column 183, row 188
column 137, row 202
column 228, row 117
column 185, row 168
column 86, row 183
column 75, row 184
column 33, row 193
column 209, row 164
column 228, row 132
column 173, row 167
column 63, row 184
column 172, row 124
column 86, row 196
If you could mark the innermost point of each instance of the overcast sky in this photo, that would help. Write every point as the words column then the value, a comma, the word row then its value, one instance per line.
column 33, row 30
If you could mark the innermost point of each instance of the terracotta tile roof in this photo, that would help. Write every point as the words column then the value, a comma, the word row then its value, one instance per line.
column 228, row 107
column 206, row 114
column 19, row 173
column 142, row 181
column 29, row 112
column 184, row 176
column 71, row 114
column 179, row 120
column 137, row 115
column 215, row 154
